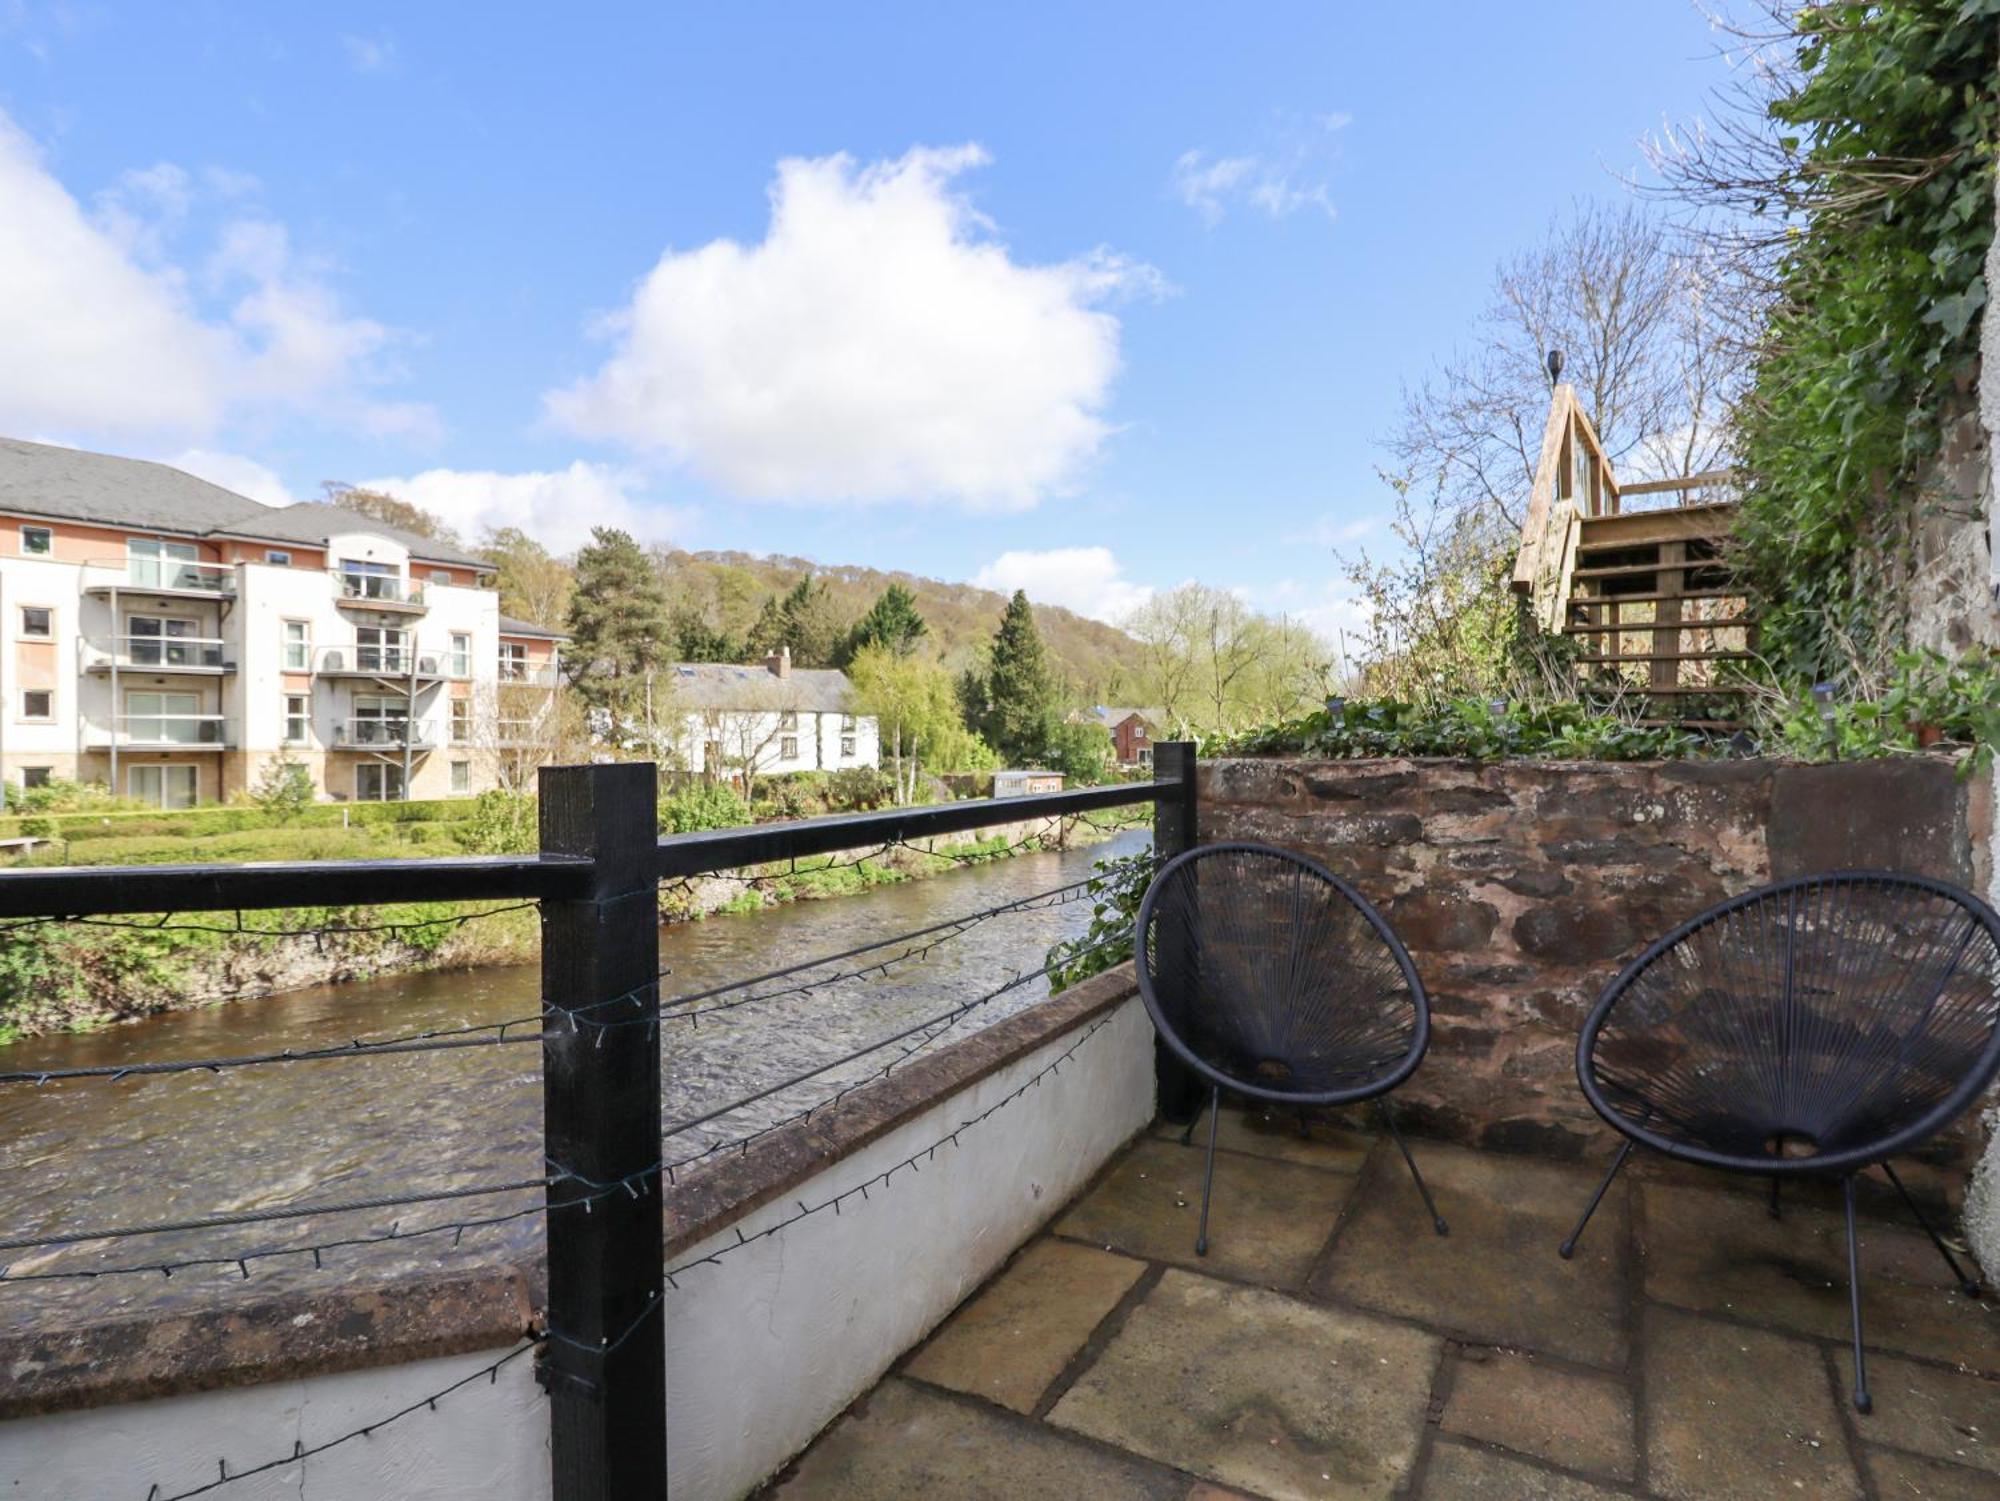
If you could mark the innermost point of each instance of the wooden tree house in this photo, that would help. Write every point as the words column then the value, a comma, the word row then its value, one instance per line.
column 1636, row 571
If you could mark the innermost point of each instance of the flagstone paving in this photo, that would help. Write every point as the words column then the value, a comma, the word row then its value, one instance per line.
column 1330, row 1345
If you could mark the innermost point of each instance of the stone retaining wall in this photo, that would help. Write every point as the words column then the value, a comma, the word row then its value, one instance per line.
column 1521, row 888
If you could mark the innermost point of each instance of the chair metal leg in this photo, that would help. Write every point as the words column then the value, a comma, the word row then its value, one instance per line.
column 1966, row 1284
column 1187, row 1133
column 1437, row 1220
column 1568, row 1247
column 1862, row 1401
column 1208, row 1174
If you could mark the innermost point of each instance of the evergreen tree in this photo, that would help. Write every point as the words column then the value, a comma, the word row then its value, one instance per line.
column 1021, row 708
column 618, row 625
column 892, row 622
column 767, row 632
column 814, row 625
column 695, row 640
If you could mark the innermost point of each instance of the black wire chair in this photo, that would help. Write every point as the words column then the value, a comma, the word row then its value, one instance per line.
column 1274, row 979
column 1808, row 1029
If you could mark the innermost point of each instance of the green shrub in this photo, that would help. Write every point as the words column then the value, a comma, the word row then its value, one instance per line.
column 856, row 789
column 702, row 805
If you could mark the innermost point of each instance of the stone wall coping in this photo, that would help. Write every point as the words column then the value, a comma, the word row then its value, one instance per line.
column 422, row 1315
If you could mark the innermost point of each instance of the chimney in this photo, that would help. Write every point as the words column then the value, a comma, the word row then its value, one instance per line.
column 779, row 662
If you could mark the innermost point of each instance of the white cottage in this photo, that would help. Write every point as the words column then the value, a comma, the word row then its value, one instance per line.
column 769, row 718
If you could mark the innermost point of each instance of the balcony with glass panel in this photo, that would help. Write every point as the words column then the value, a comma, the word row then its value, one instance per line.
column 168, row 577
column 202, row 656
column 162, row 731
column 377, row 661
column 357, row 589
column 387, row 732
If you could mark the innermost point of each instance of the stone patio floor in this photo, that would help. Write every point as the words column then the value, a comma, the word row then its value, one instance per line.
column 1330, row 1345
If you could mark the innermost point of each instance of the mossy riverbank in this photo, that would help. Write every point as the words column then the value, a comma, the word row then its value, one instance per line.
column 64, row 975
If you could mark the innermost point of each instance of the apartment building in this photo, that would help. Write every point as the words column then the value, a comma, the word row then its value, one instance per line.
column 169, row 638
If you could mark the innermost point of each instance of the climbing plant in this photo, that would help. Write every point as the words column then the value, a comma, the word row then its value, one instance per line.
column 1883, row 196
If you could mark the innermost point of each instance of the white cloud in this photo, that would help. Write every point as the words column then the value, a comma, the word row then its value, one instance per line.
column 878, row 344
column 555, row 507
column 1278, row 182
column 105, row 333
column 1330, row 609
column 369, row 54
column 1088, row 580
column 235, row 471
column 1333, row 531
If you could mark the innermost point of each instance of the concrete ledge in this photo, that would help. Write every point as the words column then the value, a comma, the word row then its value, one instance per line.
column 717, row 1194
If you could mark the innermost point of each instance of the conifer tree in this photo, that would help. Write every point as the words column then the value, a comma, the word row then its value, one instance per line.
column 1020, row 696
column 892, row 622
column 620, row 633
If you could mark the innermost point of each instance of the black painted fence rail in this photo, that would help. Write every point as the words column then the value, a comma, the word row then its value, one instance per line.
column 90, row 891
column 597, row 878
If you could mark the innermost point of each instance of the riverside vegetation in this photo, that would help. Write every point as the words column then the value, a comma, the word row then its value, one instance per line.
column 76, row 976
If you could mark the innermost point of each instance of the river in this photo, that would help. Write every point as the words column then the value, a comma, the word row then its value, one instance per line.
column 147, row 1149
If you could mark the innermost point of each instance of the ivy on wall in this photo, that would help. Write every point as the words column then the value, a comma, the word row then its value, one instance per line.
column 1889, row 141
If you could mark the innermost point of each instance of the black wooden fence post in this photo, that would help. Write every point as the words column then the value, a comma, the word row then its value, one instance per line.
column 1175, row 828
column 606, row 1362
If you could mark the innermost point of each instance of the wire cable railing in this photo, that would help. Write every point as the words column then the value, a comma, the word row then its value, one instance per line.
column 579, row 1198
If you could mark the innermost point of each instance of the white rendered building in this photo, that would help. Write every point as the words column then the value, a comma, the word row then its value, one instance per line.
column 169, row 638
column 768, row 719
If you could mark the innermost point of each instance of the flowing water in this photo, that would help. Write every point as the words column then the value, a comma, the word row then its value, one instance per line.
column 142, row 1150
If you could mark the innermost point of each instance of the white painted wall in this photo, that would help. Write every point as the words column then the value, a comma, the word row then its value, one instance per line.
column 763, row 1350
column 484, row 1442
column 767, row 1348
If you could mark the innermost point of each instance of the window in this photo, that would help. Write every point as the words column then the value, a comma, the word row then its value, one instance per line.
column 38, row 703
column 298, row 718
column 38, row 620
column 165, row 565
column 167, row 641
column 461, row 776
column 440, row 575
column 847, row 747
column 36, row 776
column 789, row 720
column 513, row 662
column 298, row 646
column 461, row 721
column 379, row 720
column 848, row 725
column 278, row 559
column 37, row 541
column 168, row 718
column 164, row 786
column 788, row 748
column 461, row 655
column 379, row 648
column 378, row 782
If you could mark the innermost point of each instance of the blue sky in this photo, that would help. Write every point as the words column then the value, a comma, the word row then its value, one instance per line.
column 1131, row 285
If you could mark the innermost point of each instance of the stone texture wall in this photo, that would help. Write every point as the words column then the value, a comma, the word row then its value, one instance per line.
column 1521, row 888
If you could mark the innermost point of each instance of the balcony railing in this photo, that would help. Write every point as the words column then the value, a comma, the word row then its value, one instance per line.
column 375, row 734
column 165, row 574
column 379, row 661
column 158, row 653
column 529, row 674
column 209, row 731
column 375, row 589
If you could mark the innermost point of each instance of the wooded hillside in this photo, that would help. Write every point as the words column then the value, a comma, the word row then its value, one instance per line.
column 1098, row 662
